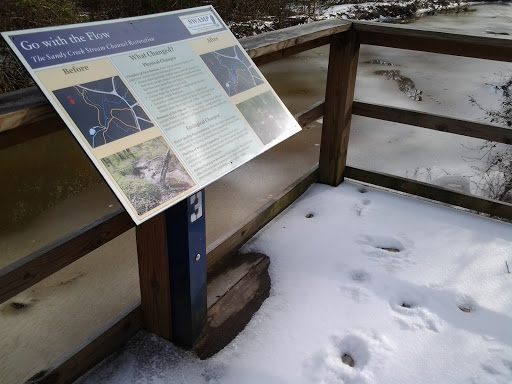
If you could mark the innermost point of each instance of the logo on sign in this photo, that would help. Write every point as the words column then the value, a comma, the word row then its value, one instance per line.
column 203, row 22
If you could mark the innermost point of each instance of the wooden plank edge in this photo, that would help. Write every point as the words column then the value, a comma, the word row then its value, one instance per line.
column 313, row 113
column 232, row 242
column 428, row 40
column 233, row 311
column 434, row 122
column 33, row 268
column 110, row 337
column 97, row 347
column 225, row 274
column 31, row 131
column 298, row 48
column 287, row 38
column 19, row 99
column 492, row 208
column 26, row 115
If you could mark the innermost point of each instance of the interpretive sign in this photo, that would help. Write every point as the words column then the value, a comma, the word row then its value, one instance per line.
column 163, row 104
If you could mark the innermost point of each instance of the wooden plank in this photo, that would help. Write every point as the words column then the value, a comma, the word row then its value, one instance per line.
column 434, row 122
column 293, row 50
column 492, row 208
column 237, row 286
column 235, row 308
column 232, row 242
column 96, row 348
column 22, row 107
column 31, row 131
column 428, row 40
column 42, row 263
column 155, row 289
column 313, row 113
column 306, row 36
column 339, row 96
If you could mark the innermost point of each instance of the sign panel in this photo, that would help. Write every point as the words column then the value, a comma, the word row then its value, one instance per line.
column 163, row 104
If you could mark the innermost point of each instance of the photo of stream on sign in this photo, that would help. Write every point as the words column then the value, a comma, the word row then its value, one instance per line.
column 162, row 104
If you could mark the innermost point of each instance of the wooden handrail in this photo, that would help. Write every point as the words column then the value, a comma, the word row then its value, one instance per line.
column 33, row 268
column 279, row 44
column 477, row 204
column 29, row 105
column 434, row 122
column 427, row 40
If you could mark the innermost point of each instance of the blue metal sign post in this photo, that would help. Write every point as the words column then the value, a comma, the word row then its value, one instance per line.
column 171, row 251
column 186, row 239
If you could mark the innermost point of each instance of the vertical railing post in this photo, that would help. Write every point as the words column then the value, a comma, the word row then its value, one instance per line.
column 155, row 288
column 171, row 251
column 339, row 96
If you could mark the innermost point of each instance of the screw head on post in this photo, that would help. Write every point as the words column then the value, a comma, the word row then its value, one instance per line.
column 198, row 257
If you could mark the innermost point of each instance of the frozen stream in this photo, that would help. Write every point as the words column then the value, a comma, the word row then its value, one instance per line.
column 442, row 84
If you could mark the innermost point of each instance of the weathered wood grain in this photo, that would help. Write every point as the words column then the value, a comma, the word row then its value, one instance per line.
column 339, row 96
column 434, row 122
column 289, row 41
column 155, row 287
column 231, row 243
column 97, row 347
column 249, row 287
column 48, row 260
column 30, row 131
column 22, row 107
column 313, row 113
column 492, row 208
column 427, row 40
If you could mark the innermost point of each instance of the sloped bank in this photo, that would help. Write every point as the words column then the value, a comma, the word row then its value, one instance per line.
column 384, row 11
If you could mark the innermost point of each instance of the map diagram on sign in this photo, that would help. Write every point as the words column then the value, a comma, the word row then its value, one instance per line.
column 232, row 69
column 103, row 110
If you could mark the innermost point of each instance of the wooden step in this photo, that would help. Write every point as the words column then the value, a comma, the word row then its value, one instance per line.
column 234, row 295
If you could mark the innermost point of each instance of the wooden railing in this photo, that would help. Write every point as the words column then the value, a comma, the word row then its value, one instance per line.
column 25, row 115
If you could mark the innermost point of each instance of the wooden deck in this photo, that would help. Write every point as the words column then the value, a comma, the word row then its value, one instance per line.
column 70, row 294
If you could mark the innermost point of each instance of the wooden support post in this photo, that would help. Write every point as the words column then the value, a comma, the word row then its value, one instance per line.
column 172, row 270
column 339, row 96
column 155, row 288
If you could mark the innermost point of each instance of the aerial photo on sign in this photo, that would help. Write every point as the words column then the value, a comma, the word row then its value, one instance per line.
column 233, row 70
column 162, row 104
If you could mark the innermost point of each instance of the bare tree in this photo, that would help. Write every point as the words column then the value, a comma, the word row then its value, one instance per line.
column 496, row 179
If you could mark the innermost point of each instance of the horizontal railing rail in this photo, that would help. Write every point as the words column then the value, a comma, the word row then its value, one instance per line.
column 19, row 109
column 492, row 208
column 46, row 261
column 449, row 43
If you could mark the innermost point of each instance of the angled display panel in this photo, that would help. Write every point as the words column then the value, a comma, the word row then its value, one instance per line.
column 162, row 104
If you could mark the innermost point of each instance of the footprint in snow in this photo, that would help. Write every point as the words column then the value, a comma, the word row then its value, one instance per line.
column 359, row 275
column 361, row 207
column 346, row 359
column 392, row 252
column 410, row 315
column 356, row 294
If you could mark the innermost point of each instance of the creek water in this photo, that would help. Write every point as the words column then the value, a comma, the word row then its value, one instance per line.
column 53, row 189
column 434, row 83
